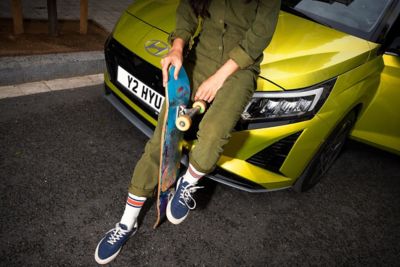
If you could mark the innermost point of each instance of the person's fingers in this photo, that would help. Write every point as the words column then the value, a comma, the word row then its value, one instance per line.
column 165, row 64
column 177, row 69
column 202, row 95
column 165, row 77
column 214, row 93
column 199, row 93
column 208, row 96
column 211, row 98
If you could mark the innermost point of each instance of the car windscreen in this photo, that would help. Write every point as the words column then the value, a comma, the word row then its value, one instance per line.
column 357, row 17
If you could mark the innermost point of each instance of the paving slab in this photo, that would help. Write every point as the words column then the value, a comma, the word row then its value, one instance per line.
column 10, row 91
column 76, row 82
column 24, row 89
column 33, row 88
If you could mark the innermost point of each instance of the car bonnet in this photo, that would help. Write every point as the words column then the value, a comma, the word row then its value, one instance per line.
column 303, row 53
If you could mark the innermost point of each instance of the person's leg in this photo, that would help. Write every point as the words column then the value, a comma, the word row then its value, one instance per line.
column 144, row 179
column 220, row 119
column 214, row 132
column 145, row 175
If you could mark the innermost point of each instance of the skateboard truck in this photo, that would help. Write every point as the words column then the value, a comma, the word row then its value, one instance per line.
column 185, row 115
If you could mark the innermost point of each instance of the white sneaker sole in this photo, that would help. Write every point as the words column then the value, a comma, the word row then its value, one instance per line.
column 107, row 260
column 113, row 256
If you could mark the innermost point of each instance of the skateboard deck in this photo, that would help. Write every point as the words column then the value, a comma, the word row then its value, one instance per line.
column 177, row 94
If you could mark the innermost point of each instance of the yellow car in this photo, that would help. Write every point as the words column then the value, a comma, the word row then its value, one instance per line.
column 332, row 70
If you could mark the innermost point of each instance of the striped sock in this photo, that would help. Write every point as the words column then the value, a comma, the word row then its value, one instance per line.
column 192, row 176
column 132, row 208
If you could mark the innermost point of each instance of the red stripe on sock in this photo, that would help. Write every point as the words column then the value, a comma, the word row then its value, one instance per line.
column 134, row 202
column 194, row 174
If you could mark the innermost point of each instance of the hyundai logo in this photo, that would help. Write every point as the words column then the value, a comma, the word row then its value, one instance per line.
column 156, row 48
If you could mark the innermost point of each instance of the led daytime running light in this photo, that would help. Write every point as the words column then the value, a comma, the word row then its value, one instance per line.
column 273, row 105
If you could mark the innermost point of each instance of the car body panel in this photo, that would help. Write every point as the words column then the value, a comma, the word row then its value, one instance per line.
column 244, row 144
column 379, row 124
column 310, row 54
column 134, row 33
column 160, row 13
column 295, row 59
column 351, row 89
column 267, row 179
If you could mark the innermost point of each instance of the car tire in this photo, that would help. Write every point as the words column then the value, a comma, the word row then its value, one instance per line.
column 326, row 155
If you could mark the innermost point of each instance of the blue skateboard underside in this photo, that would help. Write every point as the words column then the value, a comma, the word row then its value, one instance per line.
column 177, row 94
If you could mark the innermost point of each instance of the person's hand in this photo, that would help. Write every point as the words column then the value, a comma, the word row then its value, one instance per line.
column 209, row 88
column 174, row 58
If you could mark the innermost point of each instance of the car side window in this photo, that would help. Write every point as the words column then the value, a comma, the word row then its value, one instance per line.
column 392, row 43
column 394, row 47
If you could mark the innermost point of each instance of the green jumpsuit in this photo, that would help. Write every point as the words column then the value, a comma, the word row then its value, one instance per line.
column 234, row 30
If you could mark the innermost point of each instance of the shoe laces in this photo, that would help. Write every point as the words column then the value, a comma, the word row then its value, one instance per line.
column 116, row 234
column 186, row 196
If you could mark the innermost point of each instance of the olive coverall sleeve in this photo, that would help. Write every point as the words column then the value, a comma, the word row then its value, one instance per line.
column 186, row 22
column 259, row 35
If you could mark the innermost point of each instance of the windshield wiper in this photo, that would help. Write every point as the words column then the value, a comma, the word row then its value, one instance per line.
column 344, row 2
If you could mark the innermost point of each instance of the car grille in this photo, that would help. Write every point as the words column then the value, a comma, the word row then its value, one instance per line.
column 118, row 55
column 272, row 157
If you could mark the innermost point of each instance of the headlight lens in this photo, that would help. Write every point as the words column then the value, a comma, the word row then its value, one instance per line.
column 296, row 104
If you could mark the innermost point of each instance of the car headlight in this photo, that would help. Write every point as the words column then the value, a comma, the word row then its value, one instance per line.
column 294, row 105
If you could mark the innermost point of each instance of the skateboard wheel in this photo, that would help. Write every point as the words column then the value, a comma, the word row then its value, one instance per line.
column 183, row 123
column 201, row 105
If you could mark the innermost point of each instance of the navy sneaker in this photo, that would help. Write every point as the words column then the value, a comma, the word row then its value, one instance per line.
column 182, row 202
column 111, row 244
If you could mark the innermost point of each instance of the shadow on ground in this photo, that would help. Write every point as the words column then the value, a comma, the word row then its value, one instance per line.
column 65, row 163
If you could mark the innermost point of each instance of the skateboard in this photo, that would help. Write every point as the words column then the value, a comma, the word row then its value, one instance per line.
column 177, row 119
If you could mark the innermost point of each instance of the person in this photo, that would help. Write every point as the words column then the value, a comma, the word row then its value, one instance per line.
column 222, row 65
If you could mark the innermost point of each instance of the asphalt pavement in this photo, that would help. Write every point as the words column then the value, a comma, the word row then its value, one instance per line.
column 66, row 159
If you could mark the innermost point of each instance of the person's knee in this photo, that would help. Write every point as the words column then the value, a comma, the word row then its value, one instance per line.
column 207, row 151
column 214, row 130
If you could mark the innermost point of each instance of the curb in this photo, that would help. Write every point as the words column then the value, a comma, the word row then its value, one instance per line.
column 23, row 69
column 46, row 86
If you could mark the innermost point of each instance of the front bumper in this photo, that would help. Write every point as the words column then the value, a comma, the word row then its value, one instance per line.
column 219, row 175
column 255, row 160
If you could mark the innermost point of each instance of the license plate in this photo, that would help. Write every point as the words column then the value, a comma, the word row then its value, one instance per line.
column 140, row 89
